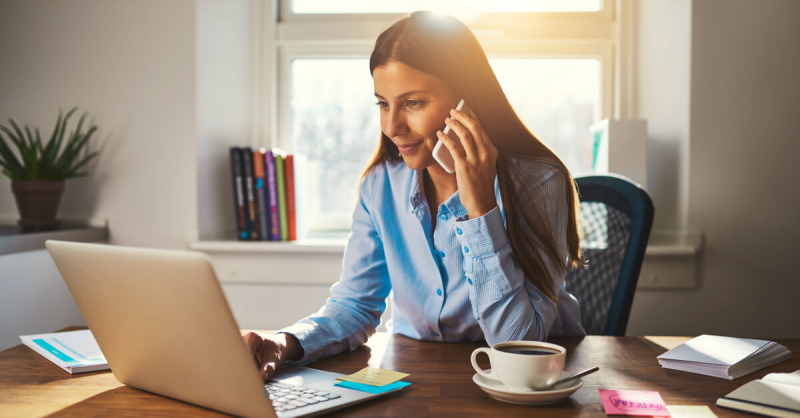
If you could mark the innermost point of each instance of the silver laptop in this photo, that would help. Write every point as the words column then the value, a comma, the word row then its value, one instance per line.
column 163, row 323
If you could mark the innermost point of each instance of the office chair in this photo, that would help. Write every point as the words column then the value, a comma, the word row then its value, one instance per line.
column 616, row 218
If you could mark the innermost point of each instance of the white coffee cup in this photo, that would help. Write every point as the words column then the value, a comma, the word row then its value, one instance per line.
column 523, row 372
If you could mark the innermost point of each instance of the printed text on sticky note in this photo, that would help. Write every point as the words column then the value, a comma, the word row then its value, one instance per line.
column 374, row 377
column 633, row 402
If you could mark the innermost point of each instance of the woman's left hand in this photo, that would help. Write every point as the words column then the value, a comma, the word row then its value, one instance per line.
column 475, row 162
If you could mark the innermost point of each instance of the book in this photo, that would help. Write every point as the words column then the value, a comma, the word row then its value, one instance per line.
column 242, row 219
column 290, row 208
column 274, row 224
column 776, row 395
column 301, row 193
column 252, row 203
column 723, row 357
column 280, row 180
column 261, row 194
column 73, row 351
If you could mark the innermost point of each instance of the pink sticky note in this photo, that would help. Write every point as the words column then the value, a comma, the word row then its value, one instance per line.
column 633, row 402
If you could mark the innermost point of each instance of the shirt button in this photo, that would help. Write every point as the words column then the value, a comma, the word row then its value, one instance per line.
column 436, row 333
column 441, row 254
column 466, row 250
column 439, row 292
column 458, row 231
column 469, row 281
column 443, row 216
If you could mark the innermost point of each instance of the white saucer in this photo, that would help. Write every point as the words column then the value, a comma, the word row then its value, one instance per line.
column 500, row 392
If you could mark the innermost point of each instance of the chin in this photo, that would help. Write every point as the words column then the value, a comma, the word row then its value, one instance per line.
column 418, row 162
column 413, row 163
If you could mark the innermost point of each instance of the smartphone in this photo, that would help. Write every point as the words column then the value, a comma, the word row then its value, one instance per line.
column 440, row 152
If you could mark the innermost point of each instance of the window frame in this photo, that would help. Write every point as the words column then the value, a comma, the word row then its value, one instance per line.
column 545, row 35
column 606, row 13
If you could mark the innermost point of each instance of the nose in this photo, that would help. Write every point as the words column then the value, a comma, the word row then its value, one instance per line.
column 393, row 123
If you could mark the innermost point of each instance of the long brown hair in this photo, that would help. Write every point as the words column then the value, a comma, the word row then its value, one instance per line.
column 444, row 47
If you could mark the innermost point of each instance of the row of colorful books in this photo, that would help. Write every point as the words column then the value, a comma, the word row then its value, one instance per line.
column 265, row 194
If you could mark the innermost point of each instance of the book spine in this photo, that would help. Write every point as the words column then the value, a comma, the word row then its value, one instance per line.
column 242, row 225
column 290, row 208
column 261, row 196
column 280, row 174
column 252, row 208
column 302, row 171
column 274, row 224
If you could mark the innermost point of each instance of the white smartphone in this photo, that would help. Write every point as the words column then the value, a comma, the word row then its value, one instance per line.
column 440, row 152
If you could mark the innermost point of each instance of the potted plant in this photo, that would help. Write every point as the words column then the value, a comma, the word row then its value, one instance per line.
column 37, row 171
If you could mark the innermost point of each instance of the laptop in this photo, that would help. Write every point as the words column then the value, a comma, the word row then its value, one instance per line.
column 165, row 327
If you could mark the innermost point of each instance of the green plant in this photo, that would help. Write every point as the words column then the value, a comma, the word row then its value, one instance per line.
column 50, row 161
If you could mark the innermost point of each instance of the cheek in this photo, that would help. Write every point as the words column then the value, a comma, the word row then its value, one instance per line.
column 383, row 121
column 427, row 125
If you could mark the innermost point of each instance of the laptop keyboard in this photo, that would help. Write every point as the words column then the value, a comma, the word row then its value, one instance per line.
column 288, row 397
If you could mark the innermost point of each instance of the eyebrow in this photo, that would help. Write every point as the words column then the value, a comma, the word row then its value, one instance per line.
column 406, row 94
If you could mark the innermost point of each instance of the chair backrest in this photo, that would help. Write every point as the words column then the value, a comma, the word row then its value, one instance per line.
column 616, row 218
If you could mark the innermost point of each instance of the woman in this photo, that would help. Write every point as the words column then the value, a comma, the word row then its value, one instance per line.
column 477, row 254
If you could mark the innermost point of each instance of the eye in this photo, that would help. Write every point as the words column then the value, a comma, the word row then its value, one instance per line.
column 382, row 105
column 415, row 104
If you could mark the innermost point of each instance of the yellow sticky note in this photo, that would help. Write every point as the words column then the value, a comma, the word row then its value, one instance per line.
column 374, row 377
column 690, row 411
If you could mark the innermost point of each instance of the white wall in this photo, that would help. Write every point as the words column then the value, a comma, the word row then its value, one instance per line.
column 33, row 298
column 742, row 192
column 132, row 66
column 662, row 95
column 226, row 58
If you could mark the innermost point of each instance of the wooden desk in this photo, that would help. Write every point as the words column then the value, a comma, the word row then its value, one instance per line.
column 441, row 375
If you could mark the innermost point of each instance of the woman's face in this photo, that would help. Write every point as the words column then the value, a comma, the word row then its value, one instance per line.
column 413, row 107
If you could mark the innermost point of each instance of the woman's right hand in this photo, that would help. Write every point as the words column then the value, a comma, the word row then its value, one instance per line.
column 270, row 350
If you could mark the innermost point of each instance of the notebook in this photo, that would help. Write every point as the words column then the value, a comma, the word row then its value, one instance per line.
column 776, row 395
column 73, row 351
column 723, row 357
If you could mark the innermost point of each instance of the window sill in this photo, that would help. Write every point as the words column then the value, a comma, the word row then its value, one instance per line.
column 670, row 260
column 327, row 245
column 674, row 243
column 662, row 243
column 313, row 261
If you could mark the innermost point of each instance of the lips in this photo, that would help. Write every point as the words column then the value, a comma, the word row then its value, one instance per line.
column 406, row 148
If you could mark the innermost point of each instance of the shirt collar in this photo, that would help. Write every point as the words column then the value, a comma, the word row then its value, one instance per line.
column 417, row 197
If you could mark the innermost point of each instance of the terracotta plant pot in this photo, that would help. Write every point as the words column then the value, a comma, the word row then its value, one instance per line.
column 37, row 202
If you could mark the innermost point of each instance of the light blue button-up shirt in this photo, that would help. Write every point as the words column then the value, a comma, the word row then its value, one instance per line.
column 457, row 282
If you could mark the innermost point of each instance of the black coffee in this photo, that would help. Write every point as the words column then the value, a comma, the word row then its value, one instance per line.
column 528, row 351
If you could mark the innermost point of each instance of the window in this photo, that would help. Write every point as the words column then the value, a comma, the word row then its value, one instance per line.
column 334, row 121
column 480, row 6
column 554, row 60
column 558, row 99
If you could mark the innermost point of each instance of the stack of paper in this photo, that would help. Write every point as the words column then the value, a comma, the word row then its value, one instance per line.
column 725, row 357
column 73, row 351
